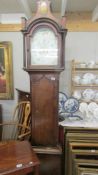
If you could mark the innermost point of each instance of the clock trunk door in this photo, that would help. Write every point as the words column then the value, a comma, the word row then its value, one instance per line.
column 44, row 88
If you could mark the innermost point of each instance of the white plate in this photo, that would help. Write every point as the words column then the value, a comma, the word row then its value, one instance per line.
column 92, row 106
column 82, row 65
column 95, row 113
column 88, row 94
column 96, row 81
column 96, row 96
column 91, row 64
column 89, row 76
column 83, row 107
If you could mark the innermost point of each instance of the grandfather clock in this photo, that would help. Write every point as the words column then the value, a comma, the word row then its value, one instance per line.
column 44, row 48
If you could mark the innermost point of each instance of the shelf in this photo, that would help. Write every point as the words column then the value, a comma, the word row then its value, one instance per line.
column 86, row 69
column 80, row 73
column 83, row 86
column 86, row 101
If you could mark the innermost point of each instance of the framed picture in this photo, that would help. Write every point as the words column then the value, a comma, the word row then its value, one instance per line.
column 85, row 167
column 83, row 151
column 87, row 171
column 6, row 73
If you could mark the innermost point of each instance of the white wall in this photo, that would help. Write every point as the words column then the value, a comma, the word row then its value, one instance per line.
column 79, row 46
column 20, row 77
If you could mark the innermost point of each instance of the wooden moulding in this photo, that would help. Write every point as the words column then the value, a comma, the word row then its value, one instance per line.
column 81, row 22
column 10, row 27
column 48, row 150
column 82, row 26
column 76, row 22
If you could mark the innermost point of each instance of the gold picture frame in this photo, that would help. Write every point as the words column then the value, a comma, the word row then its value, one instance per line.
column 84, row 164
column 6, row 73
column 87, row 171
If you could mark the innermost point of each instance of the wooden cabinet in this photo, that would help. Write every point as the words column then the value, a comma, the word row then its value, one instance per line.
column 85, row 81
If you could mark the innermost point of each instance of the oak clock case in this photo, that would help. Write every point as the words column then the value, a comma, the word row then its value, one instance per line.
column 44, row 54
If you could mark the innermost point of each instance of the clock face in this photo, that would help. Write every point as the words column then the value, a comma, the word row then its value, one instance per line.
column 44, row 47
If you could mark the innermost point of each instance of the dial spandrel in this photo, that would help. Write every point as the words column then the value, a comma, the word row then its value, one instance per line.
column 44, row 47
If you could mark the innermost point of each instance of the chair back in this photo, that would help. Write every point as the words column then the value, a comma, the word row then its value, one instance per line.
column 22, row 113
column 19, row 127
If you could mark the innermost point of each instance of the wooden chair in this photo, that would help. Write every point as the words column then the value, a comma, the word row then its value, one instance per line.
column 19, row 127
column 18, row 157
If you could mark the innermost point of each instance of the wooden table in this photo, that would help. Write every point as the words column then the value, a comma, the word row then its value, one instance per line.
column 18, row 158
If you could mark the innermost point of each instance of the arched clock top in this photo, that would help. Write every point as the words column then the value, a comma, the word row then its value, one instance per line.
column 40, row 22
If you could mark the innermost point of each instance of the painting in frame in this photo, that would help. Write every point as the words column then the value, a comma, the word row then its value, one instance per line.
column 6, row 73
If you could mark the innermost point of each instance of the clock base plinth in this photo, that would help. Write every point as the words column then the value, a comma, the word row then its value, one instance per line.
column 51, row 160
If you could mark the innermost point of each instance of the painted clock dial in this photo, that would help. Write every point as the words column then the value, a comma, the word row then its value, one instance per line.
column 44, row 47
